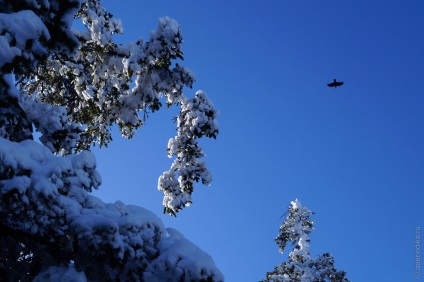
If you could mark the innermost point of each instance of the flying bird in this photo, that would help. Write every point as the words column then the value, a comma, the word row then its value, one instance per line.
column 335, row 84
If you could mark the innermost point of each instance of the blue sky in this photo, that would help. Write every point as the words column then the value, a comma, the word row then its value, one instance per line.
column 354, row 155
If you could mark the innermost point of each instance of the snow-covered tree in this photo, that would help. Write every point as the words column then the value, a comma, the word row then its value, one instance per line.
column 301, row 266
column 72, row 86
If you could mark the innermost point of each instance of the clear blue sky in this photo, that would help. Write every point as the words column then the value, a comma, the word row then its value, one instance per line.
column 354, row 155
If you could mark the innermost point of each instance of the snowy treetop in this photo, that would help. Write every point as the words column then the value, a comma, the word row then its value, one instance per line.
column 301, row 266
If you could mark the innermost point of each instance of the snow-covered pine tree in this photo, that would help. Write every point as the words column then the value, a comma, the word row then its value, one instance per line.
column 301, row 267
column 72, row 87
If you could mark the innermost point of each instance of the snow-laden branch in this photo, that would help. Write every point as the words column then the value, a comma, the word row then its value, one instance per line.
column 197, row 119
column 76, row 99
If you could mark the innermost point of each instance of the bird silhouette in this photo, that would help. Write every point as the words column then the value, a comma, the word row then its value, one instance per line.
column 335, row 84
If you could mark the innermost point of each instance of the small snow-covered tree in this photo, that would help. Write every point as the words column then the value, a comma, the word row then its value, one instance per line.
column 72, row 86
column 301, row 266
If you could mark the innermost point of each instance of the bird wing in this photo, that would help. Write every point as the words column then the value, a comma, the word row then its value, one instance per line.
column 332, row 84
column 339, row 83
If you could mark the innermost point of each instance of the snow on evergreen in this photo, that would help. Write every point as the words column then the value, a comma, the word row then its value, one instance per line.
column 72, row 87
column 21, row 27
column 301, row 267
